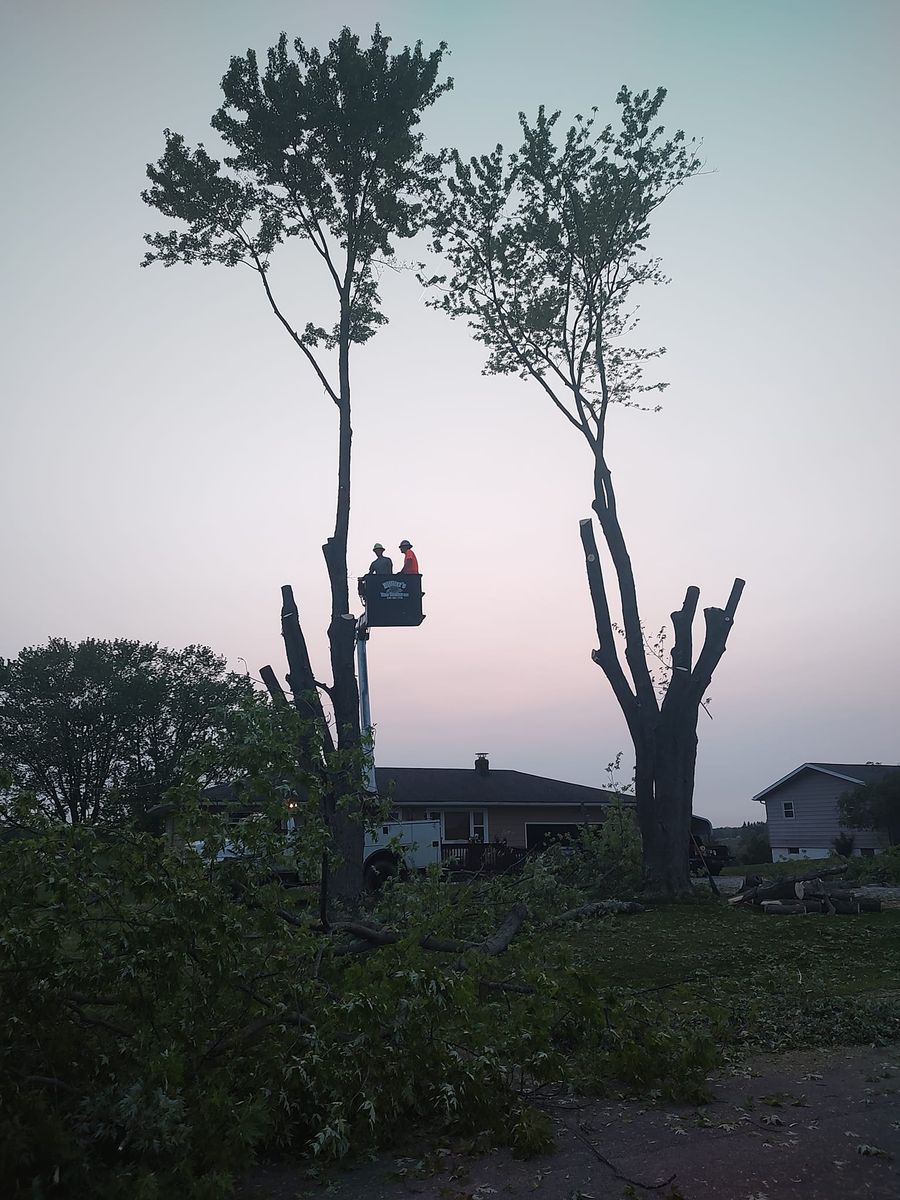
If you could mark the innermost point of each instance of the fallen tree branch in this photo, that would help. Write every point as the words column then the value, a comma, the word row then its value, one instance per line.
column 518, row 989
column 99, row 1022
column 599, row 908
column 250, row 1031
column 368, row 937
column 499, row 941
column 373, row 937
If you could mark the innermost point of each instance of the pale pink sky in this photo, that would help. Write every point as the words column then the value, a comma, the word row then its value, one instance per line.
column 168, row 463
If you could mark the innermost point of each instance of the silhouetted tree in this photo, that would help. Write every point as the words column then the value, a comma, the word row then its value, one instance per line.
column 546, row 248
column 875, row 805
column 324, row 149
column 753, row 843
column 99, row 730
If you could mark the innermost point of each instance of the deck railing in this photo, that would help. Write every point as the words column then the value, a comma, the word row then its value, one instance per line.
column 481, row 856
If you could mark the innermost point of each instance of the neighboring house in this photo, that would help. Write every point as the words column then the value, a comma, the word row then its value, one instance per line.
column 802, row 813
column 488, row 805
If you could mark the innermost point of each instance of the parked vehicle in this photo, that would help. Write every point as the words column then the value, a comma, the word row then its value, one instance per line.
column 390, row 847
column 705, row 854
column 396, row 845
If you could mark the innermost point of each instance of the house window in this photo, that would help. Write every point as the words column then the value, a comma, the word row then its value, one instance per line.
column 789, row 809
column 456, row 826
column 464, row 825
column 867, row 852
column 793, row 849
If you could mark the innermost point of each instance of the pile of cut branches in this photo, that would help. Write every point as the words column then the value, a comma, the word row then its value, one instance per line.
column 802, row 894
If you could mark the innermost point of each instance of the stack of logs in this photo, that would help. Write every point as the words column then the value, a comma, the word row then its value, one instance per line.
column 804, row 894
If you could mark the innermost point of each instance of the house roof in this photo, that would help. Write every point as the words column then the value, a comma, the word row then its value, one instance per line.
column 466, row 787
column 850, row 772
column 448, row 787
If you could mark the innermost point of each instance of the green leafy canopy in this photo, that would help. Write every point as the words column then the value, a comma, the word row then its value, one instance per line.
column 546, row 245
column 98, row 730
column 324, row 148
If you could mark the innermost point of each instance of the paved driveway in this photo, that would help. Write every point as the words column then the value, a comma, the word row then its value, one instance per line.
column 821, row 1125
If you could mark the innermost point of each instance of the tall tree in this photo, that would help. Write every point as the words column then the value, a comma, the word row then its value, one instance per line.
column 99, row 730
column 875, row 805
column 546, row 248
column 325, row 149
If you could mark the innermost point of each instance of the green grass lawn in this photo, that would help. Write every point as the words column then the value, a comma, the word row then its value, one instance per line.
column 770, row 870
column 724, row 947
column 749, row 981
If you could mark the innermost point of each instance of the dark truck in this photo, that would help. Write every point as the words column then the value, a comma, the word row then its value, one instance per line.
column 705, row 854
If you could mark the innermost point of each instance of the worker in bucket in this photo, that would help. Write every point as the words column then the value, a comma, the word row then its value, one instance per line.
column 381, row 564
column 410, row 562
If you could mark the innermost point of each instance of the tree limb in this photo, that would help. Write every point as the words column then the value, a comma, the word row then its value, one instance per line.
column 298, row 341
column 301, row 679
column 718, row 626
column 273, row 687
column 600, row 908
column 606, row 657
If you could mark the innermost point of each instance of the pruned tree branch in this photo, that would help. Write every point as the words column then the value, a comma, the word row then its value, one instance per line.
column 273, row 687
column 719, row 622
column 301, row 679
column 606, row 656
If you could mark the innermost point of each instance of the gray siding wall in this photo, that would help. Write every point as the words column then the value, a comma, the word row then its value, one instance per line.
column 815, row 823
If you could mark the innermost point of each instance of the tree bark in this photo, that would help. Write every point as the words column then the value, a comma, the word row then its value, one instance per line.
column 342, row 871
column 664, row 735
column 346, row 823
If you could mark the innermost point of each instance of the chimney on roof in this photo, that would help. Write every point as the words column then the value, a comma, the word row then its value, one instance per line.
column 482, row 766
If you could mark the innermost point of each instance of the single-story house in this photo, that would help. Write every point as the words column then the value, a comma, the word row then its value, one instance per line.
column 802, row 814
column 487, row 805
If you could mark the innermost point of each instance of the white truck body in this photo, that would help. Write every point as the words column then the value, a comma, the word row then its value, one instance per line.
column 418, row 842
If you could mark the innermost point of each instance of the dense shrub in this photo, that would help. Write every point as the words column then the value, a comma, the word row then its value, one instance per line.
column 753, row 843
column 167, row 1021
column 881, row 868
column 842, row 844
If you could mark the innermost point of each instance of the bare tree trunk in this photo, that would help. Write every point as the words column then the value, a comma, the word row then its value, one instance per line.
column 664, row 809
column 346, row 825
column 336, row 780
column 664, row 735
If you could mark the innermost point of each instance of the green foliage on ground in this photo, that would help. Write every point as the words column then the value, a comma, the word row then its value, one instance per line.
column 167, row 1023
column 881, row 868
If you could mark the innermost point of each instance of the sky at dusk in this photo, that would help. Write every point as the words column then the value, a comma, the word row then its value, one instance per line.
column 168, row 460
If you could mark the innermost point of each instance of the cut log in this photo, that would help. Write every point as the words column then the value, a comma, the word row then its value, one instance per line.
column 863, row 904
column 787, row 908
column 817, row 889
column 782, row 908
column 780, row 889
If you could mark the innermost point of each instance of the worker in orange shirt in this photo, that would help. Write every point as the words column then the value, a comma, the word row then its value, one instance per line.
column 410, row 562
